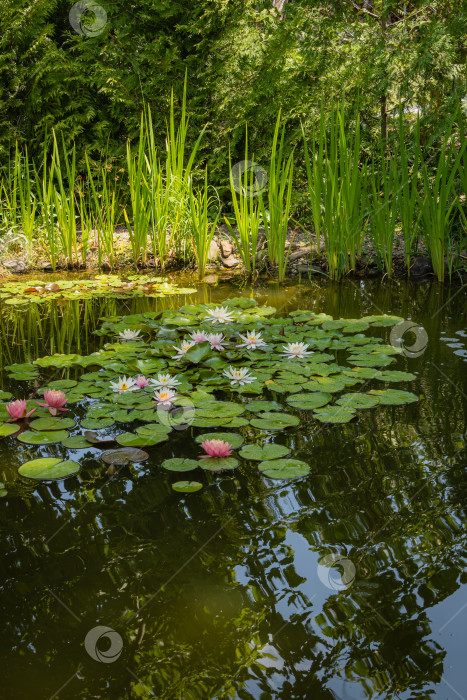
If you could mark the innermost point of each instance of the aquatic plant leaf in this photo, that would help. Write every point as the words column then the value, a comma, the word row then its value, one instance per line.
column 266, row 452
column 132, row 440
column 234, row 439
column 97, row 423
column 31, row 437
column 396, row 376
column 187, row 486
column 334, row 414
column 49, row 468
column 354, row 400
column 306, row 402
column 217, row 464
column 8, row 429
column 154, row 429
column 5, row 395
column 76, row 442
column 52, row 423
column 97, row 438
column 394, row 397
column 274, row 421
column 373, row 360
column 62, row 384
column 198, row 352
column 179, row 464
column 258, row 406
column 284, row 468
column 124, row 456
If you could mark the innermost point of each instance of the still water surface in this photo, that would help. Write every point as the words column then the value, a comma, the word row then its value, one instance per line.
column 220, row 593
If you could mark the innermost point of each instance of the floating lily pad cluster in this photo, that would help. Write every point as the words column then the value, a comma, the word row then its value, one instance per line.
column 239, row 375
column 36, row 292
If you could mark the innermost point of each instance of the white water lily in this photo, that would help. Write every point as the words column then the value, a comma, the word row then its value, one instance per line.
column 252, row 341
column 220, row 315
column 124, row 384
column 128, row 334
column 165, row 397
column 164, row 381
column 183, row 349
column 298, row 350
column 216, row 340
column 239, row 376
column 199, row 336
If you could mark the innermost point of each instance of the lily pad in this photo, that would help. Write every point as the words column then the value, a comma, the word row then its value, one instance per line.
column 8, row 429
column 124, row 456
column 62, row 384
column 97, row 423
column 187, row 486
column 234, row 439
column 77, row 442
column 334, row 414
column 306, row 402
column 217, row 464
column 355, row 400
column 274, row 421
column 284, row 468
column 394, row 397
column 49, row 468
column 132, row 440
column 259, row 453
column 396, row 376
column 52, row 423
column 258, row 406
column 97, row 439
column 180, row 464
column 50, row 437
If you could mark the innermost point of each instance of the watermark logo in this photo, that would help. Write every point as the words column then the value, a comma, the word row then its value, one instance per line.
column 107, row 656
column 336, row 572
column 88, row 18
column 415, row 341
column 177, row 417
column 256, row 178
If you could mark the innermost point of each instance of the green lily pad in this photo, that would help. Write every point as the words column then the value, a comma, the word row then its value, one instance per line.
column 394, row 397
column 396, row 376
column 49, row 468
column 97, row 439
column 284, row 468
column 97, row 423
column 306, row 402
column 124, row 456
column 77, row 442
column 5, row 395
column 377, row 359
column 153, row 429
column 217, row 464
column 62, row 384
column 334, row 414
column 237, row 422
column 52, row 423
column 132, row 440
column 269, row 451
column 50, row 437
column 8, row 429
column 355, row 400
column 180, row 464
column 187, row 486
column 234, row 439
column 274, row 421
column 258, row 406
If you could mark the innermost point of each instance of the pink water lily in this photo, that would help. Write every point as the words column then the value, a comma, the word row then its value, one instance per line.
column 54, row 401
column 216, row 448
column 17, row 410
column 141, row 381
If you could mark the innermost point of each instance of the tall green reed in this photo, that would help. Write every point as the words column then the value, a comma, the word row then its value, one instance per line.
column 384, row 210
column 279, row 195
column 202, row 229
column 102, row 211
column 139, row 221
column 47, row 229
column 247, row 212
column 27, row 200
column 64, row 201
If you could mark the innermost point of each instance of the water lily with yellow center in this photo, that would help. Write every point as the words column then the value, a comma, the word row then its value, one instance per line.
column 252, row 340
column 216, row 340
column 165, row 381
column 199, row 336
column 128, row 334
column 165, row 397
column 183, row 349
column 220, row 315
column 239, row 376
column 124, row 384
column 298, row 350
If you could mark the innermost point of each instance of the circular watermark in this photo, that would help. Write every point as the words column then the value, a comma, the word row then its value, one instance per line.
column 177, row 417
column 88, row 18
column 256, row 178
column 415, row 344
column 94, row 636
column 336, row 572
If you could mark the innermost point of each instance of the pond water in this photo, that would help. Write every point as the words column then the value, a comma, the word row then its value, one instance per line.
column 225, row 592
